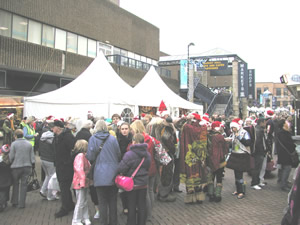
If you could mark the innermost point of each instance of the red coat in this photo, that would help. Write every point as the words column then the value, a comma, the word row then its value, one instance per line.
column 151, row 150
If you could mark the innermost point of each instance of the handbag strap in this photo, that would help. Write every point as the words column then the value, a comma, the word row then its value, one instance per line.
column 137, row 169
column 100, row 147
column 291, row 154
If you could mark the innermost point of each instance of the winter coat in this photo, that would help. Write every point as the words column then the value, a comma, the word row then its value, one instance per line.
column 21, row 154
column 63, row 145
column 285, row 138
column 5, row 172
column 132, row 159
column 81, row 169
column 46, row 148
column 217, row 149
column 151, row 150
column 84, row 134
column 107, row 161
column 260, row 141
column 124, row 142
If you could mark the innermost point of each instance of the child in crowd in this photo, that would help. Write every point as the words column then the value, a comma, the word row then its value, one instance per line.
column 81, row 183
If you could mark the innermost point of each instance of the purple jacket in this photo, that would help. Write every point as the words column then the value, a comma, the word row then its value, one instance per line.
column 132, row 159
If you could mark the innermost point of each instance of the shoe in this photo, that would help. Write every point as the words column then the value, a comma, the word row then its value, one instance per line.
column 87, row 222
column 234, row 193
column 51, row 199
column 77, row 223
column 261, row 185
column 240, row 196
column 97, row 215
column 256, row 187
column 125, row 211
column 43, row 195
column 61, row 213
column 287, row 189
column 169, row 198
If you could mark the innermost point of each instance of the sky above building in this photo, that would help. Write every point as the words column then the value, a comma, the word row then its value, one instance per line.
column 264, row 33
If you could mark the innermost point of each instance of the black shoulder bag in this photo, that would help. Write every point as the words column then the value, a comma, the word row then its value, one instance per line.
column 90, row 174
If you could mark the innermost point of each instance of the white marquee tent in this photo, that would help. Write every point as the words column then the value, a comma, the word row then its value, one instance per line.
column 151, row 90
column 98, row 89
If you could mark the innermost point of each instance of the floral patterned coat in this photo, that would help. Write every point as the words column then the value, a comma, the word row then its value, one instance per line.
column 81, row 168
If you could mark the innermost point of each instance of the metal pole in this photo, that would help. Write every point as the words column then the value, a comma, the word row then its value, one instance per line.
column 188, row 73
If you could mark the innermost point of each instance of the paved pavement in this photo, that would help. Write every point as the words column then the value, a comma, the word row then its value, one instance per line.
column 258, row 207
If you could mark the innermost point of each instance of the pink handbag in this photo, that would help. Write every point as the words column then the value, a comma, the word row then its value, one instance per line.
column 126, row 183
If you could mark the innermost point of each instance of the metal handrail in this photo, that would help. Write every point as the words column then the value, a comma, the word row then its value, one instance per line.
column 227, row 110
column 211, row 106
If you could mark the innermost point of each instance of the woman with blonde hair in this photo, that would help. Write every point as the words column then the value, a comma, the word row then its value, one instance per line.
column 137, row 127
column 81, row 183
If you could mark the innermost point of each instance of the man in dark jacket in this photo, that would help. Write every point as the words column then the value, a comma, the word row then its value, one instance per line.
column 64, row 143
column 259, row 152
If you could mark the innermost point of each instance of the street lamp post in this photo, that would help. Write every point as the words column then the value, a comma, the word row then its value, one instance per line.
column 188, row 71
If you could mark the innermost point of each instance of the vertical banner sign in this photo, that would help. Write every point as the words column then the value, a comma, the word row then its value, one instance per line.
column 183, row 74
column 251, row 84
column 243, row 80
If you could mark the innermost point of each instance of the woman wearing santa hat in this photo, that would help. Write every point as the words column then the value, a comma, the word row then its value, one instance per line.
column 239, row 159
column 217, row 150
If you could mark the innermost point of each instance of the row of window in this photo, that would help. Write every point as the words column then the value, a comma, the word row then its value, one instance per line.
column 278, row 91
column 25, row 29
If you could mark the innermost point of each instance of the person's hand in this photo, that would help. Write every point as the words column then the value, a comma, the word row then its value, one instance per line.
column 36, row 134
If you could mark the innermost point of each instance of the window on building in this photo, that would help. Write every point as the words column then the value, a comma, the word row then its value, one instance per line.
column 82, row 45
column 2, row 79
column 285, row 92
column 5, row 23
column 34, row 32
column 92, row 48
column 277, row 103
column 71, row 42
column 19, row 30
column 48, row 36
column 266, row 88
column 137, row 57
column 60, row 39
column 258, row 93
column 278, row 91
column 285, row 103
column 143, row 59
column 117, row 51
column 105, row 48
column 154, row 62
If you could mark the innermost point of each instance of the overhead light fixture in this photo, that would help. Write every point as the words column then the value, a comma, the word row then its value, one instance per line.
column 3, row 28
column 23, row 23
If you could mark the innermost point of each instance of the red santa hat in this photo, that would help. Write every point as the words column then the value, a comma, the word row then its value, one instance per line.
column 269, row 113
column 237, row 122
column 10, row 115
column 196, row 116
column 206, row 115
column 216, row 125
column 50, row 119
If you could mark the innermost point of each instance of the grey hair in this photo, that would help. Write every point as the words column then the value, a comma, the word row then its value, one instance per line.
column 87, row 124
column 101, row 126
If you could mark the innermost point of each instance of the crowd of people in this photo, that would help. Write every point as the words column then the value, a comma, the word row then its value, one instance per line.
column 87, row 155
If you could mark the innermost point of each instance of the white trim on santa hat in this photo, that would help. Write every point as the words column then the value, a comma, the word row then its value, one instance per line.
column 10, row 115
